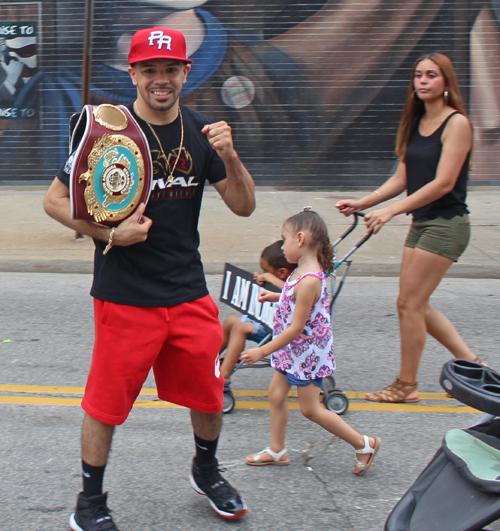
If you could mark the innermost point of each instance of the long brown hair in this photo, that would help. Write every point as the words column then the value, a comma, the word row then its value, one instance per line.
column 415, row 108
column 312, row 223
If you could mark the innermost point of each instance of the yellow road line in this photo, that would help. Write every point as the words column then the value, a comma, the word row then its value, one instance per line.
column 40, row 400
column 155, row 403
column 248, row 393
column 415, row 408
column 54, row 401
column 56, row 389
column 352, row 395
column 360, row 395
column 243, row 404
column 372, row 406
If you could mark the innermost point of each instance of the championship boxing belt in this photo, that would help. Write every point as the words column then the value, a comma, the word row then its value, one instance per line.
column 112, row 168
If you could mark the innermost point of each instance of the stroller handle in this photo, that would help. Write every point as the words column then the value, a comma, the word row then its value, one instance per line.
column 345, row 259
column 356, row 215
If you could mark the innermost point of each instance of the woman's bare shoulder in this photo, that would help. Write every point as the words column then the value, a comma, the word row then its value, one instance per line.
column 458, row 127
column 459, row 121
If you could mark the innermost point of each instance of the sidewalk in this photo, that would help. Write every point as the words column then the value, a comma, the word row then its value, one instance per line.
column 31, row 241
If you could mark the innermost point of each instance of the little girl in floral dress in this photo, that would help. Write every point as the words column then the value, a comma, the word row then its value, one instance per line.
column 302, row 344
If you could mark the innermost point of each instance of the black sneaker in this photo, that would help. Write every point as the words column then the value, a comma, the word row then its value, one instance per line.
column 206, row 479
column 92, row 514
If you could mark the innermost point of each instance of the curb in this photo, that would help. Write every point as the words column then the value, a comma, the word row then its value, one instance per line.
column 217, row 268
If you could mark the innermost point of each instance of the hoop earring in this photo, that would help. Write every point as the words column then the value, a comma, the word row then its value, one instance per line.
column 446, row 96
column 416, row 100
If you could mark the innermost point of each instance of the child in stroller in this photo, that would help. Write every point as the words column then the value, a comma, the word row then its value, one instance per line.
column 237, row 329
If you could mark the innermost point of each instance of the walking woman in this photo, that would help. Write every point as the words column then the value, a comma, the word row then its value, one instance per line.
column 434, row 143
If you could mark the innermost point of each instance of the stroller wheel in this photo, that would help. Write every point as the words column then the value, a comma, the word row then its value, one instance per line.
column 336, row 401
column 229, row 402
column 328, row 384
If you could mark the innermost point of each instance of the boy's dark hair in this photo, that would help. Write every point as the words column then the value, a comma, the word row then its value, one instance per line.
column 274, row 256
column 311, row 222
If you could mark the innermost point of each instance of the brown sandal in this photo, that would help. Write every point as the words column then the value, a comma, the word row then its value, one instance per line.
column 396, row 393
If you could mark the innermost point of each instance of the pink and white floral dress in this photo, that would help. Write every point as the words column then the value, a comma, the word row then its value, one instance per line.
column 310, row 355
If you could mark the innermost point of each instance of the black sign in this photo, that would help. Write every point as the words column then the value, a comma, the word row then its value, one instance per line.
column 240, row 291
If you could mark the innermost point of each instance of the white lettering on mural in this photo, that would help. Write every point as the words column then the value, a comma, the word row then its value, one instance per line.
column 15, row 30
column 8, row 30
column 15, row 112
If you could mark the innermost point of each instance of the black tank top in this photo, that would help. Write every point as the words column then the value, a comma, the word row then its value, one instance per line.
column 422, row 159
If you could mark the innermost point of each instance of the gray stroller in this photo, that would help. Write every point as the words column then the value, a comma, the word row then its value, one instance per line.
column 333, row 398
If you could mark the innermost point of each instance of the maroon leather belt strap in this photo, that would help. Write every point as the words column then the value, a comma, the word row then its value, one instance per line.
column 112, row 168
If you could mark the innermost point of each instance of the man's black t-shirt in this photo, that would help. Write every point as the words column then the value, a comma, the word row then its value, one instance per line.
column 166, row 269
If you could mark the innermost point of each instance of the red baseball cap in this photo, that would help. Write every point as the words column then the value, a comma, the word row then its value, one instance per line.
column 157, row 43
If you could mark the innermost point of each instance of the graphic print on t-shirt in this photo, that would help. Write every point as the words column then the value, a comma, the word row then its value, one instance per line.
column 182, row 186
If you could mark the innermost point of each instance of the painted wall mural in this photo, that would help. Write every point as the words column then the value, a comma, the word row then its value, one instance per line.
column 313, row 90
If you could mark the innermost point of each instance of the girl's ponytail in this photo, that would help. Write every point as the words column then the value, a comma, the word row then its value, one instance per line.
column 326, row 256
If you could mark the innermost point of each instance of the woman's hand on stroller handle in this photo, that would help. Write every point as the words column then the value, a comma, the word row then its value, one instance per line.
column 348, row 206
column 376, row 219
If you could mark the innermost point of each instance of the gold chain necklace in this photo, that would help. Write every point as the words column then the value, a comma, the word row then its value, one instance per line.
column 171, row 176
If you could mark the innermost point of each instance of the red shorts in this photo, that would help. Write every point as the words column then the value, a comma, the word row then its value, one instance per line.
column 181, row 343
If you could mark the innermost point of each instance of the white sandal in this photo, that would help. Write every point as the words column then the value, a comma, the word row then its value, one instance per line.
column 277, row 461
column 367, row 450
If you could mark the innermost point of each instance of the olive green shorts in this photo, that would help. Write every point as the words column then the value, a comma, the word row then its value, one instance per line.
column 447, row 237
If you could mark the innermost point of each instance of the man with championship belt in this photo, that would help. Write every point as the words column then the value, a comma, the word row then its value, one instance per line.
column 151, row 303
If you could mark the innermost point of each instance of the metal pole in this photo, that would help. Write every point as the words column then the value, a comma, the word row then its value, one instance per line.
column 87, row 61
column 87, row 51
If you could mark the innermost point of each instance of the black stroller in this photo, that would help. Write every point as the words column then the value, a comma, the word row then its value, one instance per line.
column 459, row 490
column 333, row 398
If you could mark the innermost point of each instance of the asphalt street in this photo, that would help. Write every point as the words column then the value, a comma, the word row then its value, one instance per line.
column 46, row 334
